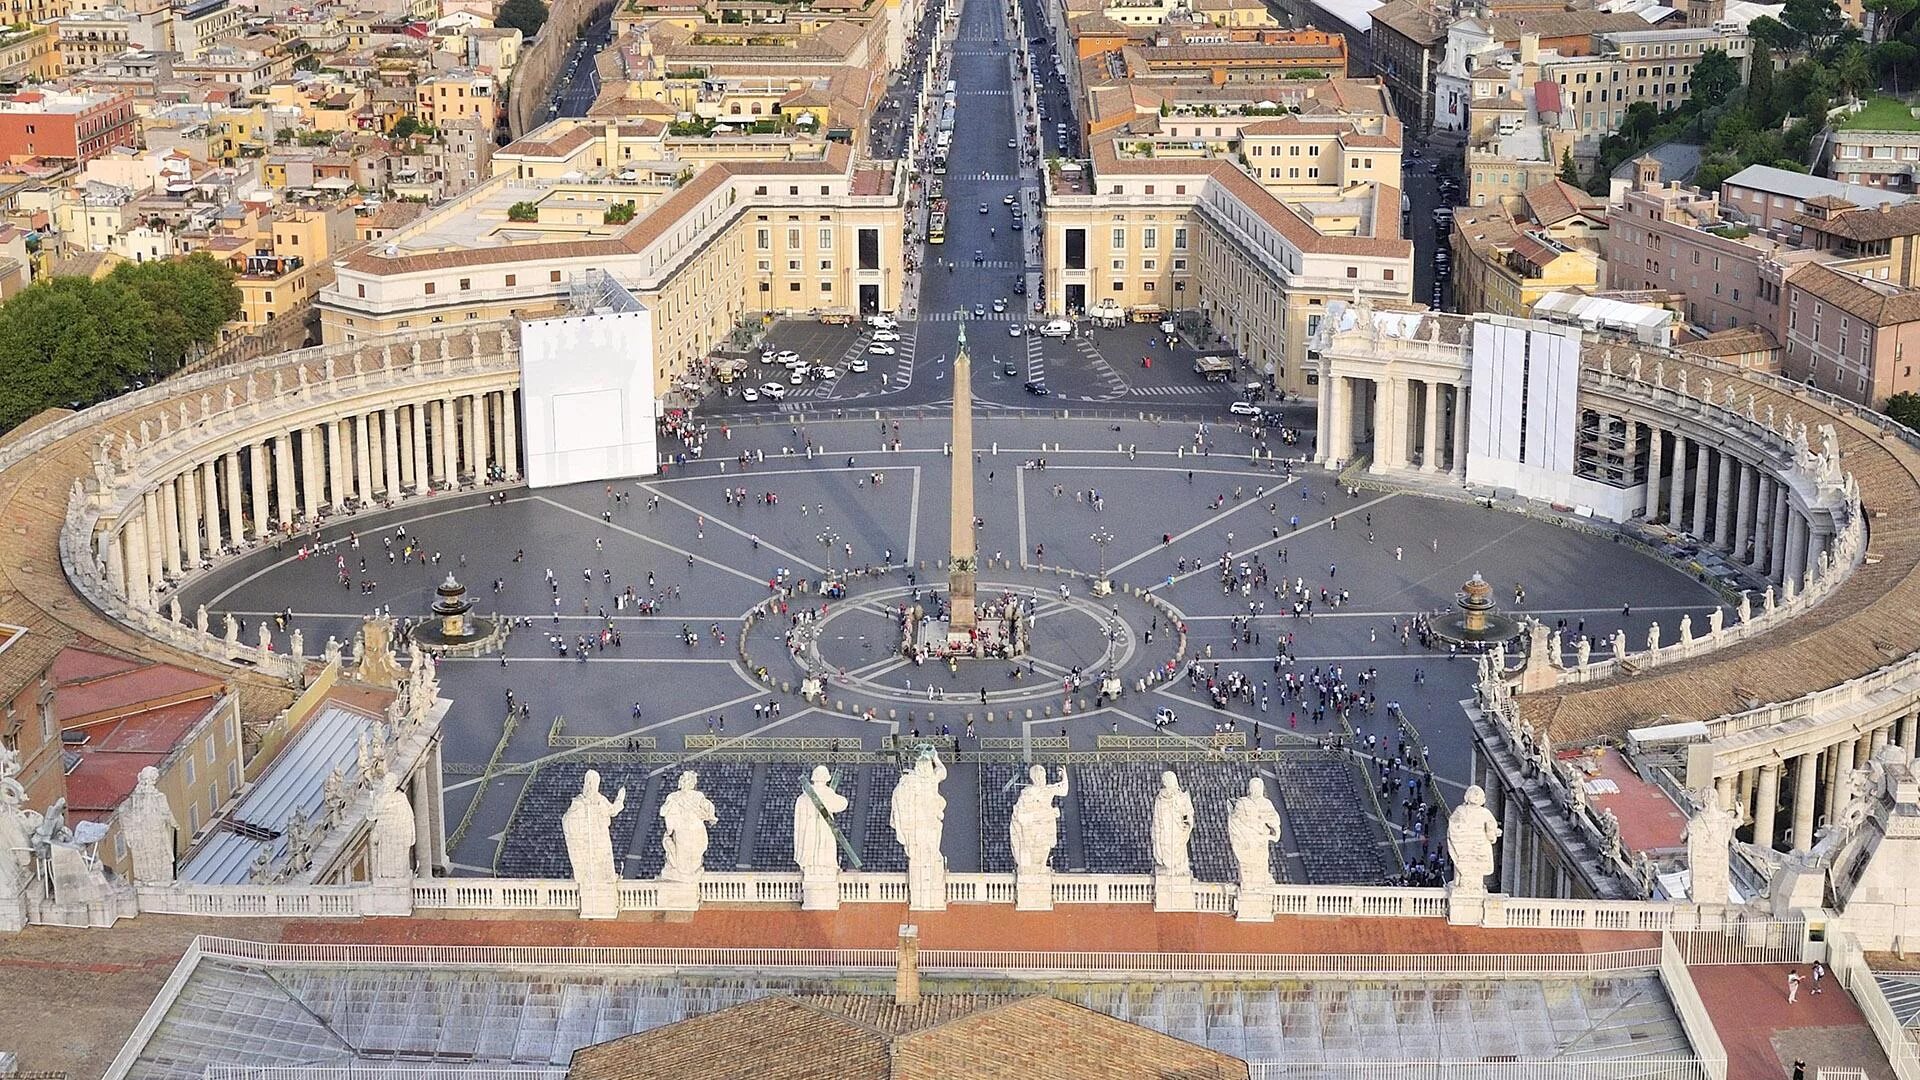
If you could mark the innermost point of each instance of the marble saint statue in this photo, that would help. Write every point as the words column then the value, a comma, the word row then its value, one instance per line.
column 148, row 826
column 1172, row 828
column 393, row 831
column 918, row 816
column 816, row 850
column 1471, row 832
column 1709, row 834
column 687, row 813
column 1253, row 827
column 587, row 826
column 1035, row 826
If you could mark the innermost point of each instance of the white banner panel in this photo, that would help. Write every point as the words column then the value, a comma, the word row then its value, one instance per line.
column 586, row 382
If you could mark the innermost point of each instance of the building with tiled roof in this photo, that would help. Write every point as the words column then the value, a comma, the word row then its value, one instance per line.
column 869, row 1037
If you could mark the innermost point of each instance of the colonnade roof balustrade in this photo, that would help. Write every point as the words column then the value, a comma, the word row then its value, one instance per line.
column 1870, row 621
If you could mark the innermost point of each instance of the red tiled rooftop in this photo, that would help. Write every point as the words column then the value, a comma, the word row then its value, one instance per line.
column 153, row 731
column 1649, row 820
column 130, row 689
column 77, row 664
column 102, row 781
column 1764, row 1035
column 1075, row 928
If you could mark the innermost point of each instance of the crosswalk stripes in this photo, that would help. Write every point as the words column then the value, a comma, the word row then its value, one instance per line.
column 1002, row 177
column 1169, row 391
column 968, row 316
column 1036, row 361
column 1099, row 363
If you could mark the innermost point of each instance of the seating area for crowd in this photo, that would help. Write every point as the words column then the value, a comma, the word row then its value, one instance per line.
column 1326, row 810
column 879, row 850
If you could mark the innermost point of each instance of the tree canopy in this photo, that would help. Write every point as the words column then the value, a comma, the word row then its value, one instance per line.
column 74, row 341
column 526, row 16
column 1904, row 407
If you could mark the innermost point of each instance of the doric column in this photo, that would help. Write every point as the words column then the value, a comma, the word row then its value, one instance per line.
column 476, row 442
column 1796, row 565
column 1461, row 398
column 1723, row 515
column 510, row 427
column 448, row 437
column 113, row 553
column 1323, row 419
column 494, row 452
column 1430, row 444
column 283, row 479
column 1723, row 791
column 310, row 469
column 236, row 516
column 1656, row 455
column 1677, row 492
column 1805, row 771
column 1767, row 798
column 1834, row 761
column 1909, row 729
column 152, row 530
column 1511, row 841
column 139, row 562
column 1743, row 527
column 210, row 504
column 1763, row 524
column 1340, row 428
column 418, row 413
column 363, row 459
column 1782, row 525
column 263, row 516
column 1877, row 739
column 1862, row 750
column 170, row 528
column 1702, row 470
column 390, row 450
column 189, row 484
column 336, row 468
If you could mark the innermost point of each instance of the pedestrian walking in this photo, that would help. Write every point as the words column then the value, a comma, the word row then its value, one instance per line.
column 1793, row 986
column 1819, row 974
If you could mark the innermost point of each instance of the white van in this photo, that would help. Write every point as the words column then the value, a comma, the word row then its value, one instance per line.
column 882, row 321
column 1058, row 328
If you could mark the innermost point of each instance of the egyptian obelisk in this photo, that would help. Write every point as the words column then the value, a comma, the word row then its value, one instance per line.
column 961, row 559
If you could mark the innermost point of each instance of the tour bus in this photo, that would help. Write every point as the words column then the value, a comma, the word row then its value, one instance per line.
column 937, row 223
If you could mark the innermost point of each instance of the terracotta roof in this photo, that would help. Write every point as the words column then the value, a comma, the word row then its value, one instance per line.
column 1877, row 303
column 115, row 694
column 865, row 1037
column 1556, row 201
column 1888, row 221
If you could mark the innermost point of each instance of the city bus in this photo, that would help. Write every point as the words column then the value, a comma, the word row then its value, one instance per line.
column 937, row 223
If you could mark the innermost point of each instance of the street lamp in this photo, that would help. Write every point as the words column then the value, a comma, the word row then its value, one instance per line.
column 1101, row 538
column 829, row 538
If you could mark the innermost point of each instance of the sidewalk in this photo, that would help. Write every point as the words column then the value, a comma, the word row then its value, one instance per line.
column 1764, row 1035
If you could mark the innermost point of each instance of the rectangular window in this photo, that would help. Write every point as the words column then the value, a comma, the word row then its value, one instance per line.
column 869, row 243
column 1150, row 238
column 826, row 239
column 1076, row 244
column 512, row 280
column 554, row 276
column 763, row 240
column 1119, row 239
column 1179, row 239
column 429, row 288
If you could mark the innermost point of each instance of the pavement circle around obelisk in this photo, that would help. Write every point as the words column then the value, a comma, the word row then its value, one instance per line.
column 856, row 645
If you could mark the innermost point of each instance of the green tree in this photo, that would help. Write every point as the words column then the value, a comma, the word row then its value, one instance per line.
column 1818, row 22
column 1568, row 170
column 1892, row 59
column 523, row 211
column 75, row 341
column 1904, row 407
column 1852, row 71
column 1759, row 101
column 526, row 16
column 1769, row 31
column 1715, row 78
column 1891, row 17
